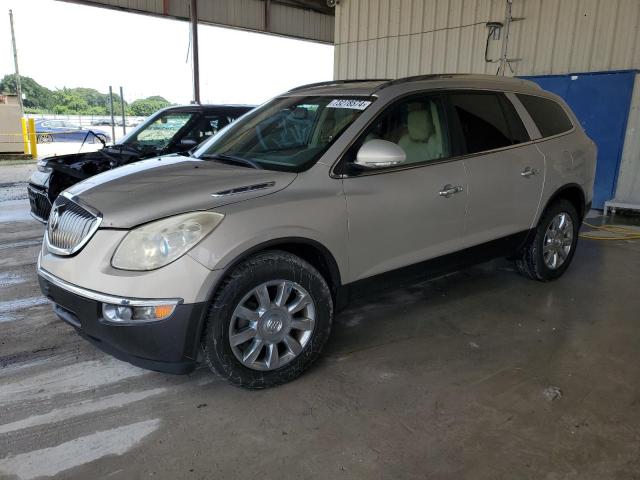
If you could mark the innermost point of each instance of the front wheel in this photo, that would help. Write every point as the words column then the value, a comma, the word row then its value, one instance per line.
column 268, row 321
column 548, row 253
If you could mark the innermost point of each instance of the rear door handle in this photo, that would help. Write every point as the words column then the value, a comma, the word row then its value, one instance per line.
column 449, row 190
column 529, row 172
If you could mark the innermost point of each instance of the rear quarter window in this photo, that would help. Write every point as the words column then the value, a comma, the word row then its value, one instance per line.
column 550, row 118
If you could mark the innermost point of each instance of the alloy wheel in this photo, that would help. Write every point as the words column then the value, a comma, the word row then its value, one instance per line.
column 558, row 241
column 272, row 324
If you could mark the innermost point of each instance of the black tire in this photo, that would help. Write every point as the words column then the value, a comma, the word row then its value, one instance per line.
column 531, row 262
column 256, row 270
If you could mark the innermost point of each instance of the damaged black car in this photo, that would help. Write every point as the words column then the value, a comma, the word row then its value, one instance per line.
column 171, row 130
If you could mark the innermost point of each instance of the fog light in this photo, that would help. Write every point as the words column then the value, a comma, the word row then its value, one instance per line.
column 123, row 313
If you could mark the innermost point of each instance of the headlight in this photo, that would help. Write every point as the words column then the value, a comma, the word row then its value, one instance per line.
column 159, row 243
column 42, row 166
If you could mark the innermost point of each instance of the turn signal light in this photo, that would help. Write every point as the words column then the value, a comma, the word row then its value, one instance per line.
column 163, row 311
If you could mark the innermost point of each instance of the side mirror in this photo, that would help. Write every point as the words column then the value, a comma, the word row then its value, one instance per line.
column 380, row 154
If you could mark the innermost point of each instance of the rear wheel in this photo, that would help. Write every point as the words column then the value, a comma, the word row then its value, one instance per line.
column 45, row 138
column 549, row 252
column 268, row 321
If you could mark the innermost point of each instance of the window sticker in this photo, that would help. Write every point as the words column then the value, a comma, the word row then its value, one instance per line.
column 352, row 104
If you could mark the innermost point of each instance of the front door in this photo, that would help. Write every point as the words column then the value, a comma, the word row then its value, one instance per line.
column 411, row 212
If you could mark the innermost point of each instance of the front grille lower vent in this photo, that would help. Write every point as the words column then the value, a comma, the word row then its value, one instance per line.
column 70, row 226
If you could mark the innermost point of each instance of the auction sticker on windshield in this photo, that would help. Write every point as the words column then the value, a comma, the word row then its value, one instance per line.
column 352, row 104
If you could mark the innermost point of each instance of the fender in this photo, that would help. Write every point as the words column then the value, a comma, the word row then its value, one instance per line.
column 572, row 192
column 303, row 247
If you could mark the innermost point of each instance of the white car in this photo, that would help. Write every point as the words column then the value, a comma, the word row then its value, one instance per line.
column 242, row 252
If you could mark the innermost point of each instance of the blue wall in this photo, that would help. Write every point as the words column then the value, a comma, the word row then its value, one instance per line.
column 601, row 101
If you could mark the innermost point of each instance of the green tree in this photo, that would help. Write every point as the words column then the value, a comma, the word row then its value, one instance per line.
column 36, row 96
column 68, row 102
column 146, row 106
column 76, row 101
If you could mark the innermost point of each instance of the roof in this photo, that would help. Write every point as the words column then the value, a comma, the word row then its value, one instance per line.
column 371, row 86
column 304, row 19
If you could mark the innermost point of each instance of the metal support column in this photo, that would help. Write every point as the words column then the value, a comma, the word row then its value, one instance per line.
column 267, row 15
column 194, row 50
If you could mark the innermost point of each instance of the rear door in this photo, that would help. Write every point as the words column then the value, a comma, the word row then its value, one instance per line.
column 411, row 212
column 505, row 170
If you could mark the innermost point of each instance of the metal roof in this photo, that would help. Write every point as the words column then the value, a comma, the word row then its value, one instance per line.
column 303, row 19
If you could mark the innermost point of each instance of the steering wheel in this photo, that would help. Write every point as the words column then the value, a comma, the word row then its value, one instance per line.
column 283, row 135
column 260, row 137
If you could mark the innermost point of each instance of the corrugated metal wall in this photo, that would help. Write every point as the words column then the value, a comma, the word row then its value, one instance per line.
column 245, row 14
column 397, row 38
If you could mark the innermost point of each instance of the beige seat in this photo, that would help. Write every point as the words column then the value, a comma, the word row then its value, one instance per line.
column 422, row 141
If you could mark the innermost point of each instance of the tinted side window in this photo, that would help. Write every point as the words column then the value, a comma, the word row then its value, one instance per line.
column 206, row 126
column 484, row 126
column 548, row 115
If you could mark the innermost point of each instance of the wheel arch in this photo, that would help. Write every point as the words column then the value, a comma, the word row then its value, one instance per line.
column 573, row 193
column 309, row 250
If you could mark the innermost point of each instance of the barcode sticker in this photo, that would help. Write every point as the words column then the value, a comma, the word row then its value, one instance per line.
column 352, row 104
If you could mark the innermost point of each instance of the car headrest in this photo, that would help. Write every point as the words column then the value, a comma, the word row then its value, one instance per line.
column 419, row 125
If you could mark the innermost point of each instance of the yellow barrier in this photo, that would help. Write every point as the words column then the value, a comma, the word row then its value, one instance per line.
column 25, row 136
column 33, row 140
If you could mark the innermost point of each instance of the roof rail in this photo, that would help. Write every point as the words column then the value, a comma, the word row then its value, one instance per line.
column 417, row 78
column 433, row 76
column 338, row 82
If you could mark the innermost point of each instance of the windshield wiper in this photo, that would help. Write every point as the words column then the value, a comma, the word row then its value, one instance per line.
column 230, row 159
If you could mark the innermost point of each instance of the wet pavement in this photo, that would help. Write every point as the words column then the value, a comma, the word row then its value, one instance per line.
column 481, row 374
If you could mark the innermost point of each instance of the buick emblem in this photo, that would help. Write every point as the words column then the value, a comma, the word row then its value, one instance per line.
column 54, row 219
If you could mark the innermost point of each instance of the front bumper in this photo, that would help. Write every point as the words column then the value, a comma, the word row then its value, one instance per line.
column 169, row 345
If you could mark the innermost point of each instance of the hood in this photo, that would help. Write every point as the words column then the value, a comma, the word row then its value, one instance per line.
column 87, row 164
column 160, row 187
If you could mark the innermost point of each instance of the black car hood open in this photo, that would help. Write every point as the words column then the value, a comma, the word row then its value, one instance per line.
column 88, row 164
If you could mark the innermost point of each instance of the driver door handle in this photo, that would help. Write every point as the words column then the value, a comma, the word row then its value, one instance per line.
column 449, row 190
column 529, row 172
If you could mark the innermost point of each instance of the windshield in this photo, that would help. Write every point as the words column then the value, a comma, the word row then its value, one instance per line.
column 288, row 133
column 157, row 131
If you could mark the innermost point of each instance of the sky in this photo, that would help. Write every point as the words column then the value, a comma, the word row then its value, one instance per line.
column 67, row 45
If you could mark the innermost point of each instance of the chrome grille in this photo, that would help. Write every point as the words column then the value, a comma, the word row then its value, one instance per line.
column 40, row 204
column 70, row 226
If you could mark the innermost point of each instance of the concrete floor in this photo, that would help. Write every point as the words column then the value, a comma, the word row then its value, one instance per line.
column 481, row 374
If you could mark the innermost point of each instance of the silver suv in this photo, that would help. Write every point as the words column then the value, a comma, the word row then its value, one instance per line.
column 240, row 254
